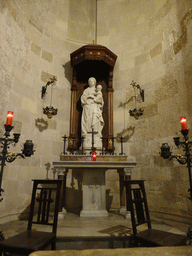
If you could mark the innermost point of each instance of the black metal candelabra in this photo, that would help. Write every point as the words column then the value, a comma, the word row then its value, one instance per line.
column 186, row 158
column 93, row 149
column 9, row 157
column 121, row 140
column 182, row 159
column 64, row 147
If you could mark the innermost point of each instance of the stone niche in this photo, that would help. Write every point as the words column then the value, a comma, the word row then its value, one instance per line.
column 91, row 61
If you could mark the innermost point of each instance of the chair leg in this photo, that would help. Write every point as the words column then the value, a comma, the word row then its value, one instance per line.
column 4, row 254
column 111, row 244
column 133, row 241
column 53, row 245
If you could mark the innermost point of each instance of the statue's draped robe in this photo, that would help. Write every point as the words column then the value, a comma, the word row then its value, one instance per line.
column 98, row 122
column 92, row 114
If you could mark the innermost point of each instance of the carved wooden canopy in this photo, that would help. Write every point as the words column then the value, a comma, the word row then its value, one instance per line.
column 92, row 61
column 93, row 52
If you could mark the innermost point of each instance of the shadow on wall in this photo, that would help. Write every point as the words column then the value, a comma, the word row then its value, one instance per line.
column 126, row 134
column 109, row 200
column 68, row 71
column 25, row 214
column 73, row 203
column 74, row 194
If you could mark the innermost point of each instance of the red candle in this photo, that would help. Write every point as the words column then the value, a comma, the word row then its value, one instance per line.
column 9, row 118
column 183, row 122
column 94, row 156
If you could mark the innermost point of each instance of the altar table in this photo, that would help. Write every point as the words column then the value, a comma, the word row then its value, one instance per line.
column 93, row 185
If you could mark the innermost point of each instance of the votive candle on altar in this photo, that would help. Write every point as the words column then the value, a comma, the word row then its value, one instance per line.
column 94, row 156
column 9, row 118
column 183, row 122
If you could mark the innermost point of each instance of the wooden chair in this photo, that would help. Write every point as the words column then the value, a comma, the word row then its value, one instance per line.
column 137, row 202
column 44, row 201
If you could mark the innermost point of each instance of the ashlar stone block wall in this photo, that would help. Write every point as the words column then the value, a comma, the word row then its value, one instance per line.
column 152, row 40
column 36, row 39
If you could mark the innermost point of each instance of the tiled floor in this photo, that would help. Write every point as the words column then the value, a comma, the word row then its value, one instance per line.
column 76, row 232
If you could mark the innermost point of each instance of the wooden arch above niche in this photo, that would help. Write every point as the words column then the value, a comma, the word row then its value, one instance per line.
column 92, row 61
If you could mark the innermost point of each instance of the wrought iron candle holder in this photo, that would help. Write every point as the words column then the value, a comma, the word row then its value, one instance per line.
column 49, row 110
column 185, row 159
column 92, row 139
column 64, row 146
column 121, row 140
column 137, row 112
column 71, row 142
column 9, row 157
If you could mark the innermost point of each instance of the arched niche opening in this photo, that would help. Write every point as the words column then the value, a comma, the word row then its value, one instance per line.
column 91, row 61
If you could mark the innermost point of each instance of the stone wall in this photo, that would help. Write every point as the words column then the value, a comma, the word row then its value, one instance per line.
column 152, row 40
column 36, row 40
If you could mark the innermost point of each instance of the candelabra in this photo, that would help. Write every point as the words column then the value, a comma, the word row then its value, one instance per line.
column 182, row 159
column 93, row 149
column 121, row 140
column 64, row 148
column 9, row 157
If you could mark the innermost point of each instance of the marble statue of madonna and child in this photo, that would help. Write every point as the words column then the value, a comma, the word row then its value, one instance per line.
column 92, row 119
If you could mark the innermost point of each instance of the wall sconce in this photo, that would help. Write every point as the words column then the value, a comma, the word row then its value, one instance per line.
column 137, row 112
column 49, row 111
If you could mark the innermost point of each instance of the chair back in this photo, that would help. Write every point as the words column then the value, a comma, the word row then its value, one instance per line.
column 137, row 202
column 45, row 203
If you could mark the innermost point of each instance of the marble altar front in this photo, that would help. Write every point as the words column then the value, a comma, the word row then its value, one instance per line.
column 93, row 185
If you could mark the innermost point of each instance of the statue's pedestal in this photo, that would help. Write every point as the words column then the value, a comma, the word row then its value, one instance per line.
column 93, row 182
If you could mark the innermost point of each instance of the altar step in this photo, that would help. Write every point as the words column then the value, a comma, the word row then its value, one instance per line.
column 82, row 243
column 80, row 233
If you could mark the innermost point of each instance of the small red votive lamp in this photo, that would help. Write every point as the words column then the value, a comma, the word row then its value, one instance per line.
column 94, row 156
column 9, row 118
column 183, row 122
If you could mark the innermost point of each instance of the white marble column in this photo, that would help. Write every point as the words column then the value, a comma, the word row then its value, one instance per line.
column 63, row 172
